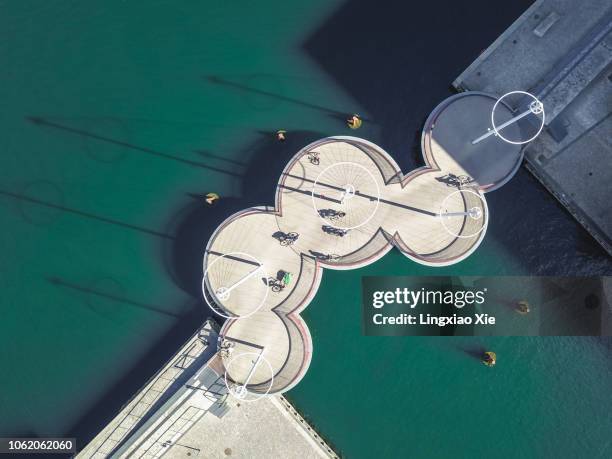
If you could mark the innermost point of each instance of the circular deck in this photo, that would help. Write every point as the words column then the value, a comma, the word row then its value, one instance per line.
column 341, row 203
column 345, row 195
column 329, row 197
column 454, row 125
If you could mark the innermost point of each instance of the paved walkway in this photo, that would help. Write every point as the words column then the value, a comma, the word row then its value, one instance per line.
column 185, row 411
column 263, row 429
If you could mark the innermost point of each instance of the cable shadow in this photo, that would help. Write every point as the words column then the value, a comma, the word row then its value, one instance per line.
column 210, row 155
column 244, row 88
column 58, row 282
column 43, row 122
column 84, row 214
column 235, row 258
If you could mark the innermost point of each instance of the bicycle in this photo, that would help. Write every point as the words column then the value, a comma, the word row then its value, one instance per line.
column 313, row 157
column 275, row 284
column 331, row 214
column 463, row 180
column 288, row 238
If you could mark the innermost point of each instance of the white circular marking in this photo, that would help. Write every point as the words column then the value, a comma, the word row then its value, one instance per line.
column 475, row 212
column 241, row 392
column 348, row 192
column 537, row 109
column 223, row 293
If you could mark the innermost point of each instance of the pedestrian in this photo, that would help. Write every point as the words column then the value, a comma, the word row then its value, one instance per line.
column 354, row 122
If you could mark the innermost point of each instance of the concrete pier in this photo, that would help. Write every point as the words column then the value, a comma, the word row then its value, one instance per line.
column 561, row 51
column 186, row 411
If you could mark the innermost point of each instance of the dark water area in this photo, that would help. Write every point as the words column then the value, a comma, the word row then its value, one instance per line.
column 400, row 67
column 394, row 397
column 117, row 120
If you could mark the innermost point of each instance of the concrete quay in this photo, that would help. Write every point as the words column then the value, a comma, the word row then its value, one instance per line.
column 561, row 51
column 139, row 409
column 186, row 411
column 267, row 428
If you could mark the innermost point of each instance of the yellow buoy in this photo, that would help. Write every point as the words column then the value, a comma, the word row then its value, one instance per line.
column 489, row 358
column 522, row 307
column 211, row 198
column 354, row 122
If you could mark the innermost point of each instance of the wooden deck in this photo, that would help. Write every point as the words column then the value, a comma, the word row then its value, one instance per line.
column 334, row 200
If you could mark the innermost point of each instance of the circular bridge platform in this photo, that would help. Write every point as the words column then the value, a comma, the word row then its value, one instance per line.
column 450, row 132
column 341, row 203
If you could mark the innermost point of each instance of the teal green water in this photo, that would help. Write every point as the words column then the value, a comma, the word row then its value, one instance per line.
column 428, row 397
column 119, row 72
column 109, row 123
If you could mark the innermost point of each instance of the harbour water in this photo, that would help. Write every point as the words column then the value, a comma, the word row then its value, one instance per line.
column 118, row 117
